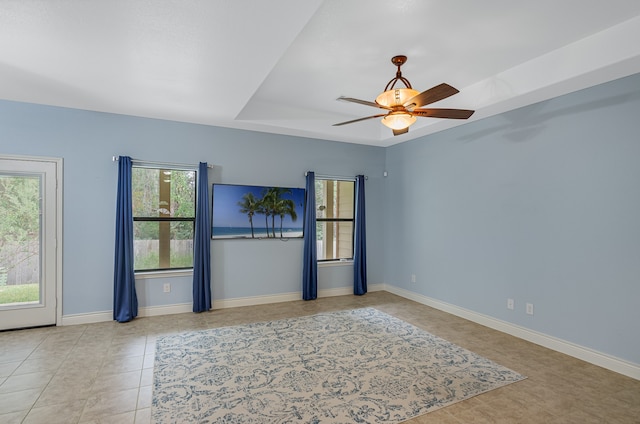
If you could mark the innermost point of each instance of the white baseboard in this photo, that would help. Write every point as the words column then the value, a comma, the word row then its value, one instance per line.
column 285, row 297
column 154, row 311
column 149, row 311
column 90, row 318
column 589, row 355
column 182, row 308
column 255, row 300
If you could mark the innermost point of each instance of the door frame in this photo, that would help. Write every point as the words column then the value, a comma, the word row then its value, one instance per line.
column 58, row 162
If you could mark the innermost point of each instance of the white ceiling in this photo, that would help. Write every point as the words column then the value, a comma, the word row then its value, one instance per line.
column 278, row 66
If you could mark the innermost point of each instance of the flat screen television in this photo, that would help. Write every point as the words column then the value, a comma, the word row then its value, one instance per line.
column 257, row 212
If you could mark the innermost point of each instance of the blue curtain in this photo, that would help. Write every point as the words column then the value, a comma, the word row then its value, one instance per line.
column 360, row 242
column 310, row 264
column 202, row 245
column 125, row 301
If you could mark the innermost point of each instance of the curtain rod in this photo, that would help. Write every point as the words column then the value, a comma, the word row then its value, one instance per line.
column 335, row 177
column 160, row 164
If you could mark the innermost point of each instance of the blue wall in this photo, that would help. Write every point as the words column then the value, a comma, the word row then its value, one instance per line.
column 240, row 268
column 540, row 204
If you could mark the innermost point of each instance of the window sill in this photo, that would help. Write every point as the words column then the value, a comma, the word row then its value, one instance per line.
column 163, row 274
column 346, row 262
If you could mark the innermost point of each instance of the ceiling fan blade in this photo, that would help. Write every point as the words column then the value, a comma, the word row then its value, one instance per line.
column 431, row 95
column 443, row 113
column 359, row 119
column 362, row 102
column 402, row 131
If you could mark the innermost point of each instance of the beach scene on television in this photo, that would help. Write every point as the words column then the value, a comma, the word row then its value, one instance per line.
column 257, row 212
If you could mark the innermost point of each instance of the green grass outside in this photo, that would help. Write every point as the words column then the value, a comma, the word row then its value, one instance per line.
column 151, row 261
column 19, row 294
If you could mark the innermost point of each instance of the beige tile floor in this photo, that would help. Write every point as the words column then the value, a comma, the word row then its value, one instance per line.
column 102, row 373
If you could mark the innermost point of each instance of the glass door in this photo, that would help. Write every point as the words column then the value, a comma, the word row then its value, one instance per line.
column 28, row 231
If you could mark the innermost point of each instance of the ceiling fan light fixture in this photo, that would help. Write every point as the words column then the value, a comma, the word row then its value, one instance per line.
column 404, row 105
column 396, row 97
column 398, row 120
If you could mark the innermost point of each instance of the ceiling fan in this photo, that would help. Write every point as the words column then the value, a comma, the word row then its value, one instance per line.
column 405, row 104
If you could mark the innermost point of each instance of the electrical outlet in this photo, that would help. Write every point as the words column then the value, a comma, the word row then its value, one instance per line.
column 413, row 278
column 166, row 287
column 529, row 308
column 510, row 304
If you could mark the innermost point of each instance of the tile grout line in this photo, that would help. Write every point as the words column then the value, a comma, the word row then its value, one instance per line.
column 12, row 374
column 56, row 372
column 137, row 410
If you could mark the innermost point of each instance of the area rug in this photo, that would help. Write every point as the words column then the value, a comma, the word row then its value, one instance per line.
column 355, row 366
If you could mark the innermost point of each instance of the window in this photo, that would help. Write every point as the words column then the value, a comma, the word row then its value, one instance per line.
column 334, row 219
column 163, row 218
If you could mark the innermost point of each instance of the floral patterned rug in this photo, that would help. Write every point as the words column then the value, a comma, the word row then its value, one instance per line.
column 360, row 366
